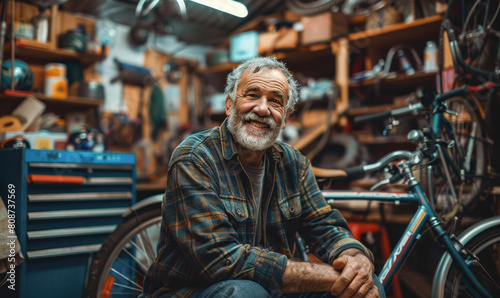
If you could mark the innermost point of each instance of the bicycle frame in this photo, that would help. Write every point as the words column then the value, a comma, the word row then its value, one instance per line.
column 439, row 124
column 424, row 214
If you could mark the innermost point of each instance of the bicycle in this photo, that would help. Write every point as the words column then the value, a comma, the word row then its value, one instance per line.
column 127, row 253
column 465, row 163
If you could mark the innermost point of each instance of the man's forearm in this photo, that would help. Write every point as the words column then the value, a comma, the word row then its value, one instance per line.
column 301, row 277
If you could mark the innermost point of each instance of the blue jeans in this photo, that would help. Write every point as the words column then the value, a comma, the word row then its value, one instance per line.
column 250, row 289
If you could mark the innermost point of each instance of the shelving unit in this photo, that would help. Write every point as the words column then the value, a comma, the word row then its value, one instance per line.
column 333, row 58
column 376, row 95
column 74, row 101
column 415, row 80
column 40, row 53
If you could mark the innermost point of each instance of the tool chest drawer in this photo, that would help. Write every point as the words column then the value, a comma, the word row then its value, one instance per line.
column 66, row 204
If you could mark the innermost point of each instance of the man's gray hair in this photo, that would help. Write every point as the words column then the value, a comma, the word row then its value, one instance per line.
column 259, row 64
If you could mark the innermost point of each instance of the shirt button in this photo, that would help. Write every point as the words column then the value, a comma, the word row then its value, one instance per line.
column 238, row 211
column 227, row 263
column 292, row 209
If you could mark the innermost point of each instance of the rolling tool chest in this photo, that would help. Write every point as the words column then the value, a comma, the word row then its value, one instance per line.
column 66, row 204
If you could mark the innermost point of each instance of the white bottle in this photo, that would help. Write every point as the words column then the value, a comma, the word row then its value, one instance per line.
column 430, row 57
column 42, row 27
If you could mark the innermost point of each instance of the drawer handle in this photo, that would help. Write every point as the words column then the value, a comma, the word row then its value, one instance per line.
column 55, row 179
column 71, row 232
column 104, row 212
column 82, row 196
column 64, row 251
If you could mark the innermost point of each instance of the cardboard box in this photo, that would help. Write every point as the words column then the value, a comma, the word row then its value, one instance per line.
column 323, row 27
column 285, row 38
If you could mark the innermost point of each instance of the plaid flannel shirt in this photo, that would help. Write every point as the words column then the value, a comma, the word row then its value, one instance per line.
column 208, row 225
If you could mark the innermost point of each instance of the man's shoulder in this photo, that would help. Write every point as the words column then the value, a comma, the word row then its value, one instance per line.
column 198, row 142
column 289, row 151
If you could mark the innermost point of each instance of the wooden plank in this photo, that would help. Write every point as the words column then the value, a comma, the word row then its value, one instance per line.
column 370, row 110
column 217, row 68
column 311, row 134
column 447, row 57
column 68, row 21
column 342, row 71
column 399, row 27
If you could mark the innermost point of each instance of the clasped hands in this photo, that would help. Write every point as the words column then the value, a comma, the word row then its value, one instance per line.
column 354, row 279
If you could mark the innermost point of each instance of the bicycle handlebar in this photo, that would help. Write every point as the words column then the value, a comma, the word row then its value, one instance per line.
column 384, row 114
column 359, row 171
column 464, row 89
column 373, row 116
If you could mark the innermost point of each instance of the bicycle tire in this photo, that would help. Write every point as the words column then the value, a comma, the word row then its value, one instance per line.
column 308, row 8
column 468, row 154
column 486, row 247
column 475, row 40
column 492, row 124
column 118, row 268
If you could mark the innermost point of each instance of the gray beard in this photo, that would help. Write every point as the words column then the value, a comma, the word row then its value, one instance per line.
column 256, row 140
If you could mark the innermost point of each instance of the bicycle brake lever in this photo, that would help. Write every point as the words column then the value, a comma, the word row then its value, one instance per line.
column 392, row 123
column 380, row 183
column 451, row 112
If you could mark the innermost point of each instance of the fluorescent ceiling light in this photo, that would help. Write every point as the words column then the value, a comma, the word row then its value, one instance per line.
column 228, row 6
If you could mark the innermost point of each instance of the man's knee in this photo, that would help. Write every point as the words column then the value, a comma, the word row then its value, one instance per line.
column 233, row 289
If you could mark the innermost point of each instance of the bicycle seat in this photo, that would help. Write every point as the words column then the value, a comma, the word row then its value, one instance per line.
column 329, row 173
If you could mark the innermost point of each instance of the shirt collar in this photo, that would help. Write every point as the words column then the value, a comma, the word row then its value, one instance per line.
column 229, row 147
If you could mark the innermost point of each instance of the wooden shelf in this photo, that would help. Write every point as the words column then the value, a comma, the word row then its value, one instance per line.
column 370, row 110
column 401, row 32
column 381, row 140
column 38, row 53
column 402, row 80
column 420, row 29
column 295, row 55
column 218, row 68
column 69, row 101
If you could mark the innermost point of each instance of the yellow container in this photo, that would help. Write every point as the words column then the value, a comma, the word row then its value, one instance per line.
column 56, row 87
column 55, row 70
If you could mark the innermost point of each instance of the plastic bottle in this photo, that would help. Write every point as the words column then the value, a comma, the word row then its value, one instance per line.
column 430, row 57
column 405, row 63
column 41, row 23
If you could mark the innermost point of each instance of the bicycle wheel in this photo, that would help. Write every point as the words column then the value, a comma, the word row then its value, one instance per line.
column 485, row 266
column 312, row 7
column 467, row 162
column 119, row 267
column 476, row 28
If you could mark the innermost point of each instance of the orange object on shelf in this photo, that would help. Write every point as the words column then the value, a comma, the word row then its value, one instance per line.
column 17, row 93
column 55, row 179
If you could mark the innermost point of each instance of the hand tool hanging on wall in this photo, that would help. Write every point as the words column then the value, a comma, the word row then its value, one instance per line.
column 136, row 76
column 3, row 28
column 146, row 163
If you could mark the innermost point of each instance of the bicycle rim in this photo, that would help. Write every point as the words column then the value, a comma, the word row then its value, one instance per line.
column 123, row 261
column 476, row 24
column 486, row 247
column 468, row 162
column 312, row 7
column 469, row 150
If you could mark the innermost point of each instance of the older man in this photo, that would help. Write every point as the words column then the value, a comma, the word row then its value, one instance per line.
column 235, row 199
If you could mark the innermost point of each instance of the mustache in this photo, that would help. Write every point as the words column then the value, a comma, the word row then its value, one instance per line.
column 263, row 119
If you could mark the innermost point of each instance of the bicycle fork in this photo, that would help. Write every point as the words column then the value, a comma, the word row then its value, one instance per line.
column 476, row 288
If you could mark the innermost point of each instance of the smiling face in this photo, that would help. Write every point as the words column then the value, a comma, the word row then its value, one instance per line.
column 258, row 115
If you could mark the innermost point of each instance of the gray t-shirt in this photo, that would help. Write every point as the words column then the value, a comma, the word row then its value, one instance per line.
column 256, row 176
